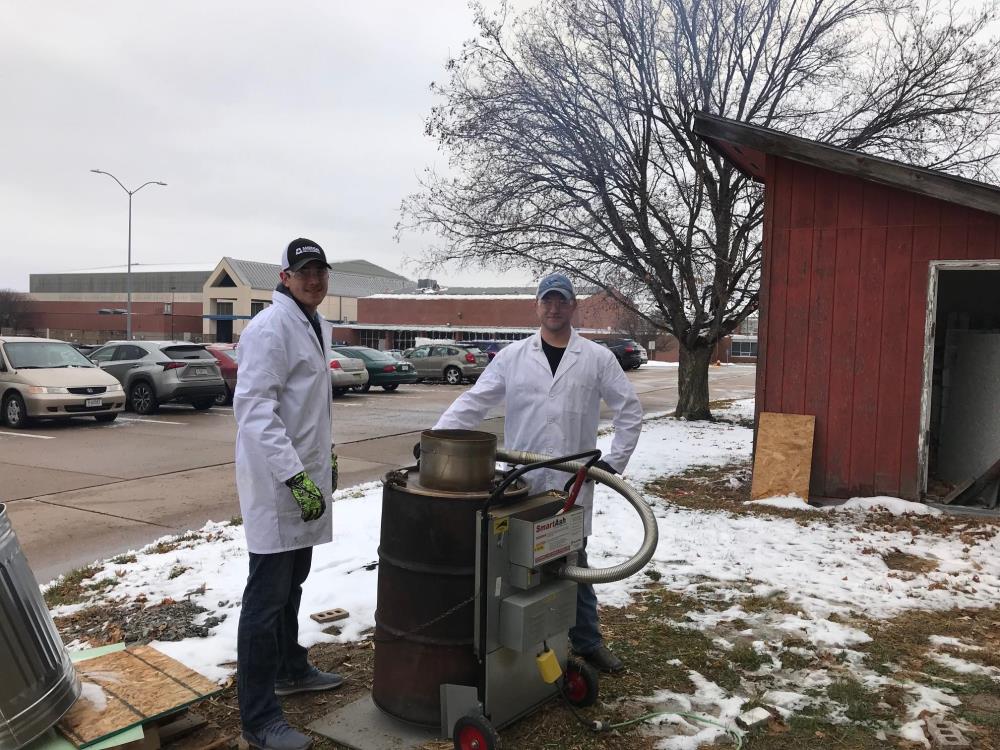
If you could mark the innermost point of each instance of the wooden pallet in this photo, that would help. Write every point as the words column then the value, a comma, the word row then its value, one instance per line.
column 136, row 686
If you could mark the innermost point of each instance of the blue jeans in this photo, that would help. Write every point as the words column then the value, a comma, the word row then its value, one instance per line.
column 585, row 636
column 267, row 645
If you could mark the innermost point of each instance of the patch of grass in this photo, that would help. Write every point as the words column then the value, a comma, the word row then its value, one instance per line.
column 236, row 521
column 901, row 647
column 860, row 703
column 177, row 571
column 70, row 588
column 794, row 660
column 775, row 602
column 124, row 559
column 896, row 559
column 744, row 656
column 169, row 545
column 803, row 731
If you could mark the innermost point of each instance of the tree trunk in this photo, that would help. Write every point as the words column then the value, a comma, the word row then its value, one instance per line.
column 692, row 383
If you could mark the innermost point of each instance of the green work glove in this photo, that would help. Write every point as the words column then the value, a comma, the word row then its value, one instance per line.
column 307, row 495
column 335, row 474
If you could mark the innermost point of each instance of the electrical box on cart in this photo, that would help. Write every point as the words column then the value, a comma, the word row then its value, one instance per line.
column 523, row 607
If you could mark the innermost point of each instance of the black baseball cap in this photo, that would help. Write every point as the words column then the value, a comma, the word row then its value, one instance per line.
column 302, row 251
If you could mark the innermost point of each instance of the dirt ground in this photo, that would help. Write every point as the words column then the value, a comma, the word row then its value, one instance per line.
column 661, row 649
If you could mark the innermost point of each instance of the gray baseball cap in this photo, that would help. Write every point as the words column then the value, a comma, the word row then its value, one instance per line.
column 556, row 282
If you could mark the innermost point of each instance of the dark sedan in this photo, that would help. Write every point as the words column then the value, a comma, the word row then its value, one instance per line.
column 383, row 369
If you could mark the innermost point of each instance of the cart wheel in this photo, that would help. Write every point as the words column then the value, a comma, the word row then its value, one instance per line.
column 474, row 732
column 580, row 683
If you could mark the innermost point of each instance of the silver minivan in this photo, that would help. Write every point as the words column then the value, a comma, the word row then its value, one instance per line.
column 157, row 372
column 49, row 379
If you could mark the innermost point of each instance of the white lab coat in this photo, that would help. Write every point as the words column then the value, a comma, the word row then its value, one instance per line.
column 283, row 407
column 555, row 415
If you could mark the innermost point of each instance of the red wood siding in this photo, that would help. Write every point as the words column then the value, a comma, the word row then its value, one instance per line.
column 843, row 296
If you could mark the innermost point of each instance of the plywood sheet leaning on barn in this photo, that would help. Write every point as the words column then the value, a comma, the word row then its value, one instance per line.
column 782, row 461
column 128, row 688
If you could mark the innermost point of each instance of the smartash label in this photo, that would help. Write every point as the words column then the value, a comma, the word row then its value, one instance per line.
column 557, row 536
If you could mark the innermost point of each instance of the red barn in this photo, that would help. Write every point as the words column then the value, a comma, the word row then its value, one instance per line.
column 880, row 312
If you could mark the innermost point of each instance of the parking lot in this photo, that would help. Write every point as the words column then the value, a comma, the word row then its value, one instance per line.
column 81, row 491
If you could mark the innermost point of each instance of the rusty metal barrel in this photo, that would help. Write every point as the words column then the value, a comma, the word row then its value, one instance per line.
column 424, row 619
column 38, row 683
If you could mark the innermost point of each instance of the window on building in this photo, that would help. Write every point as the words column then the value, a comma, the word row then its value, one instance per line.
column 374, row 339
column 743, row 349
column 256, row 305
column 749, row 326
column 223, row 308
column 405, row 339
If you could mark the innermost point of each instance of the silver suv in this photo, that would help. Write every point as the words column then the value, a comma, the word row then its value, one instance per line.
column 452, row 363
column 155, row 372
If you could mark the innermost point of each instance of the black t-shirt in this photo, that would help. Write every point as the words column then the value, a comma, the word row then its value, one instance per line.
column 553, row 354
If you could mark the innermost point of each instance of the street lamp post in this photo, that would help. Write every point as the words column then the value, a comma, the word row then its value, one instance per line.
column 128, row 268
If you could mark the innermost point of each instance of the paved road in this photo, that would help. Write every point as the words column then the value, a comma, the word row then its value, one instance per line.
column 80, row 491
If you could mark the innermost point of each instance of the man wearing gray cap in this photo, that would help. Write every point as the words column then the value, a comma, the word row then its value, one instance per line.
column 284, row 475
column 552, row 384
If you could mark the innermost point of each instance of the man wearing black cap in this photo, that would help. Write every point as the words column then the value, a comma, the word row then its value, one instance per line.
column 284, row 476
column 552, row 385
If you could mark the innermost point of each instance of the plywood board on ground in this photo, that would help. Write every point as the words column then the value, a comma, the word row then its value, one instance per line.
column 129, row 688
column 782, row 461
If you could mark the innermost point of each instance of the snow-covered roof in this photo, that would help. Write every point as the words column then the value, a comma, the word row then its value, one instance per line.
column 149, row 268
column 351, row 278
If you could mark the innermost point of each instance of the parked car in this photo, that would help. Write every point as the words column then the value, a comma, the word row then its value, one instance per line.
column 643, row 354
column 86, row 349
column 226, row 356
column 346, row 373
column 383, row 369
column 157, row 372
column 49, row 379
column 626, row 351
column 491, row 347
column 452, row 363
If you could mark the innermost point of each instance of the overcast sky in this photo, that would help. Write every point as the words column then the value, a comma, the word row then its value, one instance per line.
column 268, row 121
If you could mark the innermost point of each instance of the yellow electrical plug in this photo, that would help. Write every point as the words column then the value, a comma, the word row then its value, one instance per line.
column 548, row 666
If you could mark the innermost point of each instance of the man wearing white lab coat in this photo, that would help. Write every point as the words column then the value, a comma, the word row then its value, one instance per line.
column 284, row 477
column 553, row 384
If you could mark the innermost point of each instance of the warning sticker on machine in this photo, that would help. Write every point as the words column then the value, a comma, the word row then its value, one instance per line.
column 557, row 536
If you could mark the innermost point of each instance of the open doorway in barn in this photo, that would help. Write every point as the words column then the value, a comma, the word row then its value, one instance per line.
column 960, row 449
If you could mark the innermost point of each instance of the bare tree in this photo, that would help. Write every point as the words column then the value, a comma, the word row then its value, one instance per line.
column 13, row 308
column 569, row 136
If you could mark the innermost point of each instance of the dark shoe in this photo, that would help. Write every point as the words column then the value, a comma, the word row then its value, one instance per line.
column 602, row 659
column 312, row 682
column 277, row 736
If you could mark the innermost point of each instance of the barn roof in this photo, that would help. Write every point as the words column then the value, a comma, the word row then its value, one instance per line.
column 746, row 146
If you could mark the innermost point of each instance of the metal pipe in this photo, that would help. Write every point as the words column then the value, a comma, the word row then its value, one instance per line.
column 650, row 531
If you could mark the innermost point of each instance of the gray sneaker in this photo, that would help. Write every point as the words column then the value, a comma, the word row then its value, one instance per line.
column 277, row 736
column 314, row 680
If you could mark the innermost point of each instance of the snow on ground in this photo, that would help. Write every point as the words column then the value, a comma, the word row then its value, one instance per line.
column 825, row 570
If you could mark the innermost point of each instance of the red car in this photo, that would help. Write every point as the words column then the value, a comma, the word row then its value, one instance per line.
column 226, row 354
